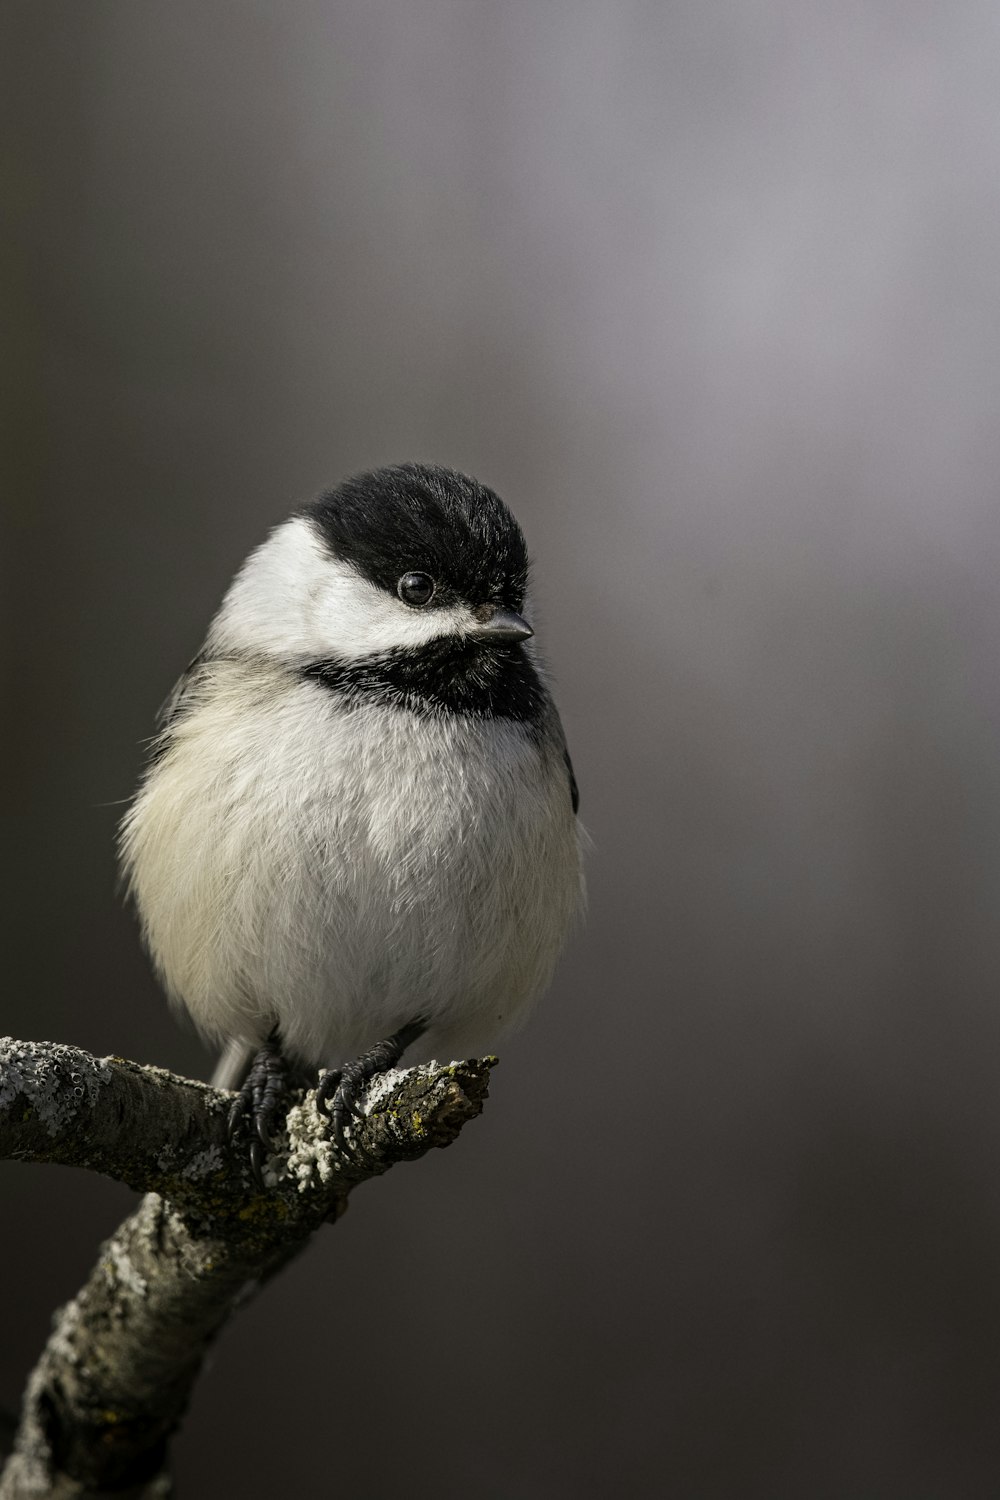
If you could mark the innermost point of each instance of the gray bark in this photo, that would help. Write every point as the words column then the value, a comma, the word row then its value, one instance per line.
column 116, row 1375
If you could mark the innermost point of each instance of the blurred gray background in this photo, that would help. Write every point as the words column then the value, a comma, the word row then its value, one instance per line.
column 710, row 293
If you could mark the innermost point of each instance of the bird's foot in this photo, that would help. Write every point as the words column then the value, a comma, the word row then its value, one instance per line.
column 259, row 1103
column 339, row 1092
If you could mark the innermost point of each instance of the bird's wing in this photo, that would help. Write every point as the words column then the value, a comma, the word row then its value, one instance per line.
column 180, row 695
column 574, row 790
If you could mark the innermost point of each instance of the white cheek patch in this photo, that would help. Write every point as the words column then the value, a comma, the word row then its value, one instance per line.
column 361, row 618
column 292, row 600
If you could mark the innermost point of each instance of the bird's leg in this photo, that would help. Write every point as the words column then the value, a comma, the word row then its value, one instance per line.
column 264, row 1091
column 339, row 1090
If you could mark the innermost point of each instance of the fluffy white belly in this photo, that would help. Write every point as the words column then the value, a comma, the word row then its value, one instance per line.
column 343, row 872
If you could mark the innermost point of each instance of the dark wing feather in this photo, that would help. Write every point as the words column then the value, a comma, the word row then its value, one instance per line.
column 574, row 791
column 176, row 704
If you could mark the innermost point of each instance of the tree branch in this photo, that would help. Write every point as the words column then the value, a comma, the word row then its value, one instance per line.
column 116, row 1375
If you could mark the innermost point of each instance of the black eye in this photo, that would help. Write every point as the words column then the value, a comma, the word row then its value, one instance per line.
column 415, row 588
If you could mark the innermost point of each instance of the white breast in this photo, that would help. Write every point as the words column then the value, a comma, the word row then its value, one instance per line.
column 343, row 871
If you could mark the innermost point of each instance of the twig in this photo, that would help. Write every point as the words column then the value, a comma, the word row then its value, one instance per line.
column 116, row 1375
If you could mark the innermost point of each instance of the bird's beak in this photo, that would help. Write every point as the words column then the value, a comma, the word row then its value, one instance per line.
column 500, row 625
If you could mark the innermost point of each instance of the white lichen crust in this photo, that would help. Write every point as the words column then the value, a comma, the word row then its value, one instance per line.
column 60, row 1081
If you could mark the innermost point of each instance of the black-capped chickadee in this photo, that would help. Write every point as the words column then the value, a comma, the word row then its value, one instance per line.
column 358, row 825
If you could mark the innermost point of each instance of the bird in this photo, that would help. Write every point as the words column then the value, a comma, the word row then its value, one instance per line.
column 357, row 831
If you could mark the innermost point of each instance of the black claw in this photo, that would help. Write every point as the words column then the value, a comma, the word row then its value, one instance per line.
column 328, row 1086
column 340, row 1090
column 235, row 1118
column 259, row 1103
column 257, row 1162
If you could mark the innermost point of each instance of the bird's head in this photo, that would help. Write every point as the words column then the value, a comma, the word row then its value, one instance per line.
column 412, row 570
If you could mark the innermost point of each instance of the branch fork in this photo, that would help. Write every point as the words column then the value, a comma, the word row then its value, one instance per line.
column 116, row 1375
